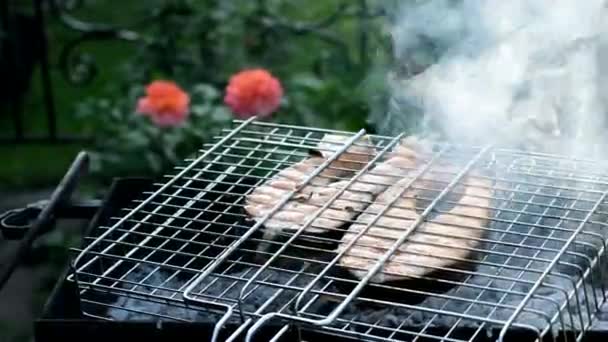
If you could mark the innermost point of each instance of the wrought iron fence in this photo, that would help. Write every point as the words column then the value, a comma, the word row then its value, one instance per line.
column 24, row 46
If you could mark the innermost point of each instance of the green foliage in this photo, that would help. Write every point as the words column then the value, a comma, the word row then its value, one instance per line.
column 199, row 45
column 128, row 144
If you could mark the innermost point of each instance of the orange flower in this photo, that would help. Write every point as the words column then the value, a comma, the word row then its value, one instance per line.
column 253, row 92
column 165, row 103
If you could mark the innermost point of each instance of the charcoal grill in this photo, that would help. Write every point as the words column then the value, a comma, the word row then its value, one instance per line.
column 183, row 256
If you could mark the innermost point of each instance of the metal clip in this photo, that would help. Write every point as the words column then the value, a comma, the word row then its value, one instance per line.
column 16, row 222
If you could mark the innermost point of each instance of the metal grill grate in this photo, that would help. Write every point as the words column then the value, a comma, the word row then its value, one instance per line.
column 189, row 251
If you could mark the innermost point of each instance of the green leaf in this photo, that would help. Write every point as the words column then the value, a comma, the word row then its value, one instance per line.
column 205, row 92
column 154, row 162
column 137, row 138
column 200, row 109
column 200, row 48
column 307, row 81
column 221, row 114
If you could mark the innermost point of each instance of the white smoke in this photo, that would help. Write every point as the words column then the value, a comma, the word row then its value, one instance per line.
column 528, row 72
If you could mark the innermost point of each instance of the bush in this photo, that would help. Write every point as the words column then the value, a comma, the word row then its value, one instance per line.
column 199, row 45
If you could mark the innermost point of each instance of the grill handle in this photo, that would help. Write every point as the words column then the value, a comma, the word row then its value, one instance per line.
column 15, row 223
column 30, row 222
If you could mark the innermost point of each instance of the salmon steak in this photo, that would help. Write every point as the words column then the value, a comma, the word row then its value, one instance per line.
column 350, row 196
column 447, row 239
column 306, row 199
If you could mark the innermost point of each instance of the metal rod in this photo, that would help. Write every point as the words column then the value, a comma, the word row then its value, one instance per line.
column 380, row 263
column 224, row 255
column 228, row 309
column 47, row 86
column 500, row 269
column 317, row 213
column 58, row 198
column 220, row 323
column 311, row 129
column 159, row 191
column 335, row 312
column 541, row 279
column 11, row 30
column 257, row 164
column 531, row 225
column 169, row 219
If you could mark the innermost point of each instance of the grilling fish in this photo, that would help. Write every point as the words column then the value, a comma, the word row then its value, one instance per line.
column 445, row 241
column 351, row 200
column 307, row 200
column 360, row 193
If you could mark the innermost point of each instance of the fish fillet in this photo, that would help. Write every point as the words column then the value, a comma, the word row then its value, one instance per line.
column 430, row 245
column 305, row 201
column 350, row 202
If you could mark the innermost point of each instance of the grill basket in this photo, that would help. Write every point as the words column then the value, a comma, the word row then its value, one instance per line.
column 188, row 251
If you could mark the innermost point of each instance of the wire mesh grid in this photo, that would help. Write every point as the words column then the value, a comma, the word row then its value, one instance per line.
column 461, row 243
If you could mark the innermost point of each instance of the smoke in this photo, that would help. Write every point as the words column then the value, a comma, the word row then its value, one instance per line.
column 523, row 73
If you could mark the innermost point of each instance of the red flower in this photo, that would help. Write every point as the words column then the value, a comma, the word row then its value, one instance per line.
column 253, row 92
column 165, row 103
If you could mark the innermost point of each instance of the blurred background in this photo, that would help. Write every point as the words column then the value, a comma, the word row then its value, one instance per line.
column 73, row 72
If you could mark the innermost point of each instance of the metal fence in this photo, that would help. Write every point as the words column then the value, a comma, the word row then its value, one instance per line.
column 25, row 45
